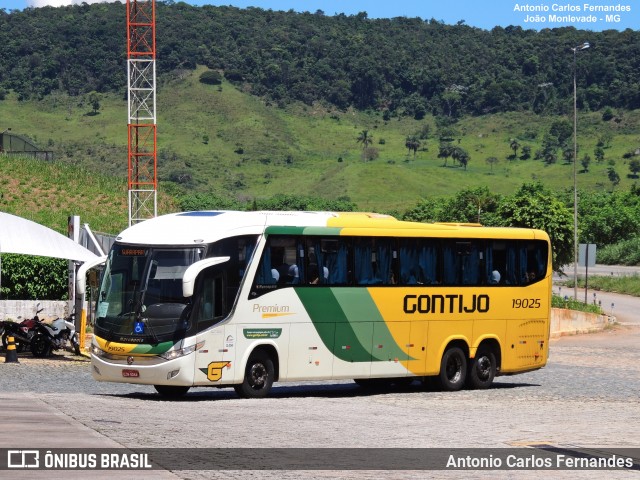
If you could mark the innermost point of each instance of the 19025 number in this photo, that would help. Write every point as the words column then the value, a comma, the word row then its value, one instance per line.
column 525, row 303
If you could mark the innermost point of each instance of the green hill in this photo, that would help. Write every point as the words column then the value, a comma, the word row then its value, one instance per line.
column 48, row 192
column 217, row 138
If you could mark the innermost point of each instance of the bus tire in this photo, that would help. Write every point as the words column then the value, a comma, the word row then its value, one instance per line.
column 482, row 369
column 258, row 376
column 453, row 369
column 171, row 391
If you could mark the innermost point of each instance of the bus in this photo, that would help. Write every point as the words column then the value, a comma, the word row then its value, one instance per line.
column 246, row 299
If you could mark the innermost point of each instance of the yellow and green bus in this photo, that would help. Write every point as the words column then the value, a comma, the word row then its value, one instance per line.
column 246, row 299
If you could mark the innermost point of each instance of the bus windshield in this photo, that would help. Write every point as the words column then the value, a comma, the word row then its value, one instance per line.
column 140, row 297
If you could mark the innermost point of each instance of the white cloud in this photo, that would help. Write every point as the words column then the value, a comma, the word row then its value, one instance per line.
column 60, row 3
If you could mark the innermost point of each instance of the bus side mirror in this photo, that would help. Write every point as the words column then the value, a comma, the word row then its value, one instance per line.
column 191, row 273
column 81, row 276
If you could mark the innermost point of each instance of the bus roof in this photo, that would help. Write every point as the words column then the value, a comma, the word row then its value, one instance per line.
column 202, row 227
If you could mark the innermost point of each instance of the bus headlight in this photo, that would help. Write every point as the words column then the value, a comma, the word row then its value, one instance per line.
column 181, row 352
column 97, row 351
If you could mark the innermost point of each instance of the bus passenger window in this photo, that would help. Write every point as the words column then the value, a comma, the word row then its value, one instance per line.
column 372, row 261
column 280, row 263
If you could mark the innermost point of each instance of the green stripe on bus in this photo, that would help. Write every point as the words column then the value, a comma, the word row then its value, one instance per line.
column 334, row 231
column 330, row 322
column 153, row 349
column 284, row 230
column 359, row 306
column 329, row 231
column 344, row 318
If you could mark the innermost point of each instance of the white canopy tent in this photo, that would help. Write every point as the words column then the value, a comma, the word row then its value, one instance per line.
column 19, row 235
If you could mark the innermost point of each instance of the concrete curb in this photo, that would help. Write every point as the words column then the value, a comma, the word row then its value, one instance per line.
column 573, row 322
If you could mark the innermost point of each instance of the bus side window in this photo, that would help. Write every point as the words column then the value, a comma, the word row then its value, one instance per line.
column 335, row 259
column 418, row 261
column 372, row 260
column 280, row 262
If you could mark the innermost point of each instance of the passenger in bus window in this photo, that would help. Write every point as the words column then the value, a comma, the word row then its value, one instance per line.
column 313, row 276
column 495, row 277
column 279, row 270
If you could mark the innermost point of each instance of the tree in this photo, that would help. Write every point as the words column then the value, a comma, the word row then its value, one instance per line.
column 514, row 145
column 561, row 131
column 473, row 205
column 634, row 167
column 492, row 161
column 567, row 154
column 608, row 218
column 467, row 206
column 586, row 161
column 412, row 143
column 526, row 152
column 613, row 176
column 94, row 100
column 460, row 155
column 598, row 152
column 534, row 206
column 365, row 139
column 445, row 151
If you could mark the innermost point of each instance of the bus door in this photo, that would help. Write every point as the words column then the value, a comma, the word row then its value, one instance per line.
column 215, row 355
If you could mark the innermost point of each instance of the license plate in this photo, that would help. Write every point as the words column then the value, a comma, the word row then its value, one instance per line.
column 130, row 373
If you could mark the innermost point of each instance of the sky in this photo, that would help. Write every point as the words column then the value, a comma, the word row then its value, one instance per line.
column 486, row 14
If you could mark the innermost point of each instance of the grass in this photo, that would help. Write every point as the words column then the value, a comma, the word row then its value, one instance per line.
column 223, row 140
column 49, row 192
column 627, row 284
column 571, row 304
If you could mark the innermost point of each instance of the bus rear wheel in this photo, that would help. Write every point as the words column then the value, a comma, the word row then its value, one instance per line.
column 453, row 369
column 258, row 376
column 171, row 391
column 482, row 369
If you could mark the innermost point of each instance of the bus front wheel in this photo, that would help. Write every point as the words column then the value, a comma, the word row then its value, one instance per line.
column 453, row 369
column 482, row 369
column 258, row 376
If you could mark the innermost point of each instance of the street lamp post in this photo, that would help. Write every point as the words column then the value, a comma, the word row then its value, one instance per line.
column 575, row 50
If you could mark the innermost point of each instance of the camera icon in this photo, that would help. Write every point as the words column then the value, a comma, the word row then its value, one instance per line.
column 23, row 459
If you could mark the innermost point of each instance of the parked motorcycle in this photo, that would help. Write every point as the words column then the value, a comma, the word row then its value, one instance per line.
column 59, row 334
column 22, row 332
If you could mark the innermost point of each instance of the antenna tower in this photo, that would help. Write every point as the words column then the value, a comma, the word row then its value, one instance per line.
column 142, row 138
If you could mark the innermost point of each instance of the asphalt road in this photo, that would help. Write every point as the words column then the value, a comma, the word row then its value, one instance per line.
column 625, row 308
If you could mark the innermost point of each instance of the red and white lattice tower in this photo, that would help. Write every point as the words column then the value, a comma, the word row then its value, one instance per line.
column 141, row 73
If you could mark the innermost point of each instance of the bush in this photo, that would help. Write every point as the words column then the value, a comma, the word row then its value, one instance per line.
column 233, row 75
column 211, row 77
column 626, row 252
column 26, row 277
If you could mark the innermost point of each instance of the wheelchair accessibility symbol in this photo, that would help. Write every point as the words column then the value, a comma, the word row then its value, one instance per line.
column 138, row 327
